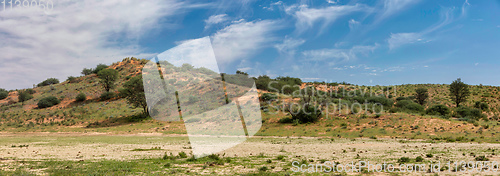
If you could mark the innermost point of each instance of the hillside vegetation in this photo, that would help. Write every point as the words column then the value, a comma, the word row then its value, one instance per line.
column 81, row 107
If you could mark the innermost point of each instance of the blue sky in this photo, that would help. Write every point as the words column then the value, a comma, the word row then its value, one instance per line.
column 363, row 42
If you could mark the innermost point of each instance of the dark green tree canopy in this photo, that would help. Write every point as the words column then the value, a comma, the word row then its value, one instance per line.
column 49, row 81
column 459, row 91
column 24, row 96
column 87, row 71
column 108, row 78
column 99, row 67
column 133, row 91
column 421, row 95
column 3, row 94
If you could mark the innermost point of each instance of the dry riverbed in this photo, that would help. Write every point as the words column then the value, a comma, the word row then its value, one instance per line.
column 95, row 147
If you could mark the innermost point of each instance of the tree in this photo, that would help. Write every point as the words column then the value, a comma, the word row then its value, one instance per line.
column 23, row 96
column 241, row 73
column 459, row 91
column 87, row 71
column 99, row 67
column 3, row 94
column 421, row 95
column 108, row 78
column 47, row 82
column 133, row 91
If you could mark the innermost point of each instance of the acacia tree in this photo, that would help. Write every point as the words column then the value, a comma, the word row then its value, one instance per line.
column 459, row 91
column 133, row 91
column 421, row 95
column 23, row 96
column 108, row 78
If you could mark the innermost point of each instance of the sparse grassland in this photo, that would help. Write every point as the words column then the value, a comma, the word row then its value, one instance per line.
column 156, row 154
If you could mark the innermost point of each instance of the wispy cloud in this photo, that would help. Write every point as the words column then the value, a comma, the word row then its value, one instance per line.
column 215, row 19
column 273, row 5
column 392, row 7
column 336, row 56
column 242, row 39
column 76, row 34
column 353, row 24
column 307, row 17
column 399, row 39
column 289, row 45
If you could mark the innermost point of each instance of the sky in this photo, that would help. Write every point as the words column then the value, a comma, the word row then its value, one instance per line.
column 387, row 42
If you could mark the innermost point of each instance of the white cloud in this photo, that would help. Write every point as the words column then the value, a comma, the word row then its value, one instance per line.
column 332, row 1
column 353, row 24
column 335, row 56
column 272, row 5
column 399, row 39
column 241, row 40
column 307, row 17
column 391, row 7
column 289, row 45
column 36, row 45
column 216, row 19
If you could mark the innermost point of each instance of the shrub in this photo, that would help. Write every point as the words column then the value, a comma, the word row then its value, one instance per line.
column 24, row 96
column 3, row 94
column 182, row 155
column 429, row 155
column 468, row 113
column 409, row 106
column 441, row 110
column 72, row 79
column 382, row 100
column 30, row 91
column 87, row 71
column 419, row 159
column 307, row 114
column 482, row 158
column 268, row 97
column 403, row 160
column 481, row 105
column 47, row 82
column 48, row 102
column 81, row 97
column 402, row 98
column 107, row 95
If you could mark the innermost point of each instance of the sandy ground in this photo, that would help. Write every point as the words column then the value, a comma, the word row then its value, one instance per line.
column 96, row 146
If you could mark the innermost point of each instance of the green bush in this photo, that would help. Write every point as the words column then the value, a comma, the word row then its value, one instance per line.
column 468, row 113
column 403, row 160
column 81, row 97
column 382, row 100
column 441, row 110
column 48, row 102
column 481, row 105
column 87, row 71
column 30, row 91
column 307, row 114
column 23, row 96
column 107, row 95
column 47, row 82
column 419, row 159
column 402, row 98
column 268, row 97
column 409, row 106
column 3, row 94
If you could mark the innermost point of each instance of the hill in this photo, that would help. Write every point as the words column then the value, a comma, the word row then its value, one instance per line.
column 118, row 117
